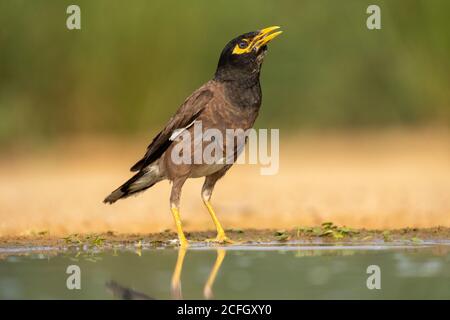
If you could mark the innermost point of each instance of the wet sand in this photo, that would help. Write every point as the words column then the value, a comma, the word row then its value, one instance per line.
column 410, row 236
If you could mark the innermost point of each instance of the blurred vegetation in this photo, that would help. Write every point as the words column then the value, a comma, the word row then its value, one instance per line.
column 133, row 63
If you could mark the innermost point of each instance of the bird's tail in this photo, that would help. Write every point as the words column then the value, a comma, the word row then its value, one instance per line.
column 141, row 181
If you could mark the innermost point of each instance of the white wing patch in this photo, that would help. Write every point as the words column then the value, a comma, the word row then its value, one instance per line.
column 179, row 131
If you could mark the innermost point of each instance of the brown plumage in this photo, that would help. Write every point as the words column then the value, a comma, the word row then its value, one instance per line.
column 231, row 100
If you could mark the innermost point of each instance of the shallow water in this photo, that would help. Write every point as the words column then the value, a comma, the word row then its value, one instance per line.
column 289, row 271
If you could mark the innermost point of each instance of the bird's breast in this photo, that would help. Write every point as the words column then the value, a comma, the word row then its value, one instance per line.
column 243, row 97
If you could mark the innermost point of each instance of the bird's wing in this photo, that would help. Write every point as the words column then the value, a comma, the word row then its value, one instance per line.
column 185, row 115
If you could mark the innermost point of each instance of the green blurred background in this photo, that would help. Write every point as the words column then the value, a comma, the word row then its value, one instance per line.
column 133, row 63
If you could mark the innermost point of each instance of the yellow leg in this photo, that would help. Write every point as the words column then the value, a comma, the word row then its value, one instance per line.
column 207, row 291
column 221, row 237
column 176, row 217
column 176, row 282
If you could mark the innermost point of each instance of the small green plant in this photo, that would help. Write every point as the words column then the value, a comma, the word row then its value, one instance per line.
column 327, row 229
column 98, row 241
column 416, row 240
column 317, row 231
column 92, row 240
column 330, row 229
column 281, row 235
column 303, row 230
column 387, row 236
column 95, row 240
column 73, row 239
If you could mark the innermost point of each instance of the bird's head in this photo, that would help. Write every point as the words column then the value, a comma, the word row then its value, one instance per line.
column 242, row 57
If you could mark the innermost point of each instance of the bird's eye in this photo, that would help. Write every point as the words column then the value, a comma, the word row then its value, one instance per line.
column 243, row 44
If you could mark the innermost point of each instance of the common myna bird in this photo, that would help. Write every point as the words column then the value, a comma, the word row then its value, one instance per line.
column 231, row 100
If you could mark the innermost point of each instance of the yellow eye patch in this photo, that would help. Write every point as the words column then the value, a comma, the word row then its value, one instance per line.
column 242, row 47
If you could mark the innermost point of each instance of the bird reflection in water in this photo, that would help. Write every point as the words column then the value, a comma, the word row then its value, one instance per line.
column 125, row 293
column 176, row 277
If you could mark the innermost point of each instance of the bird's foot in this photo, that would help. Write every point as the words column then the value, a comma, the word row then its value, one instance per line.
column 183, row 243
column 220, row 239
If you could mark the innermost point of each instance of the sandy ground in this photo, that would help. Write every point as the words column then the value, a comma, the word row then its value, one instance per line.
column 388, row 179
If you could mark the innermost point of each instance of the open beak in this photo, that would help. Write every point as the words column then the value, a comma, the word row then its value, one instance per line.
column 265, row 36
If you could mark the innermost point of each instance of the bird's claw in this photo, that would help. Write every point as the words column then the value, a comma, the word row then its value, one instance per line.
column 220, row 239
column 184, row 244
column 181, row 242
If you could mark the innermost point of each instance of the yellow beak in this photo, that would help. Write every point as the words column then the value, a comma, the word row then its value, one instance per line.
column 265, row 36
